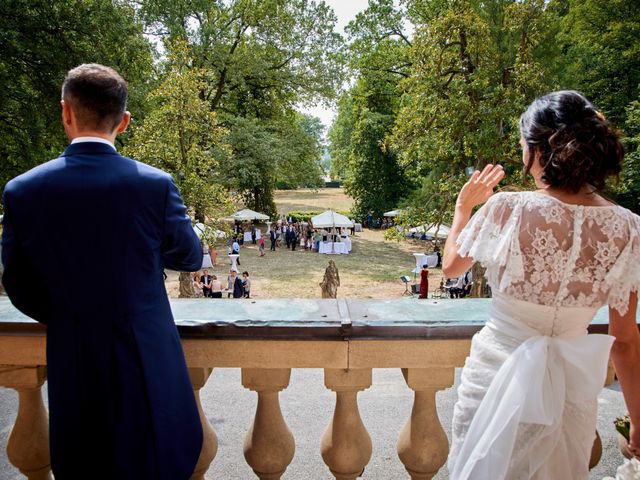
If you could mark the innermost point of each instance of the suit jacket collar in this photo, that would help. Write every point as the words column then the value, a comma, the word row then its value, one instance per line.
column 89, row 148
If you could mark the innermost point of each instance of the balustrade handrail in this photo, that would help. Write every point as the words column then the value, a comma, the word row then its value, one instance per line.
column 344, row 326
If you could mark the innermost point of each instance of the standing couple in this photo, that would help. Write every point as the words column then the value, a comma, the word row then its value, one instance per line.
column 120, row 399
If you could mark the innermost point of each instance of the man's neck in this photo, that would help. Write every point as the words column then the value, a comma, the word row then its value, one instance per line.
column 109, row 137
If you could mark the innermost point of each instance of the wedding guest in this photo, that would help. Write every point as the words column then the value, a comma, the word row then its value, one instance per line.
column 246, row 284
column 197, row 284
column 424, row 282
column 261, row 246
column 216, row 287
column 237, row 288
column 272, row 238
column 231, row 278
column 287, row 237
column 205, row 281
column 235, row 250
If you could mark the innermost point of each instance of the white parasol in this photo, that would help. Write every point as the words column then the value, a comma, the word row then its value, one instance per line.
column 246, row 214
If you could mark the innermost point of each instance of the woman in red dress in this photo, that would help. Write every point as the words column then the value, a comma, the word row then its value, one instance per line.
column 424, row 282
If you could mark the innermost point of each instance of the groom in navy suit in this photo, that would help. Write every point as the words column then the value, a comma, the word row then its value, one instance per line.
column 97, row 229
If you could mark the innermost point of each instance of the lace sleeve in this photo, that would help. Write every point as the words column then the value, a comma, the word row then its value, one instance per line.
column 491, row 238
column 624, row 277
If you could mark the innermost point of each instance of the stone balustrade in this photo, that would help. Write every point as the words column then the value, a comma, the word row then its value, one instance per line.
column 426, row 340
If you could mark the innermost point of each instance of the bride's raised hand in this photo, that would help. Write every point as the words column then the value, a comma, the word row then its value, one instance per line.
column 479, row 187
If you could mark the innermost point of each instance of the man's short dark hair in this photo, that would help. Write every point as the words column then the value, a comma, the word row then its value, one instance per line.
column 98, row 96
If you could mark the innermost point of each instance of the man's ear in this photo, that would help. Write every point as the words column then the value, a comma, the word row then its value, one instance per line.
column 124, row 123
column 67, row 114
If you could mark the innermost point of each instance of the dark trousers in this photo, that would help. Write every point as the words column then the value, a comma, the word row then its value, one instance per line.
column 273, row 245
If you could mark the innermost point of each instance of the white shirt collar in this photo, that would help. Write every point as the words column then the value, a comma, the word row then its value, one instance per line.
column 92, row 139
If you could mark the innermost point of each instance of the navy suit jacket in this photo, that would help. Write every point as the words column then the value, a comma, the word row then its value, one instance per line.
column 86, row 238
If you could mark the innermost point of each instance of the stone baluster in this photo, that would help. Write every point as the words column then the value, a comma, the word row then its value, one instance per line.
column 422, row 444
column 346, row 444
column 28, row 445
column 199, row 377
column 269, row 445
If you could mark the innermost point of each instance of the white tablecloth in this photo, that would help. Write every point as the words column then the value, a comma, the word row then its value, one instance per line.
column 431, row 260
column 358, row 227
column 206, row 261
column 347, row 241
column 247, row 235
column 333, row 247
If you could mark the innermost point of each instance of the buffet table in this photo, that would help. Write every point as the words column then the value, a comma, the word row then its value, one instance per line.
column 333, row 248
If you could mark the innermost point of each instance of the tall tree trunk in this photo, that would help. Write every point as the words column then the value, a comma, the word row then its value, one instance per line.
column 479, row 288
column 186, row 285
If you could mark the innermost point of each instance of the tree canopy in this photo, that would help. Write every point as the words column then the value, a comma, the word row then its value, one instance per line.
column 423, row 89
column 39, row 42
column 453, row 88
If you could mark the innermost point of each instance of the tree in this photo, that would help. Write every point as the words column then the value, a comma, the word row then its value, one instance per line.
column 361, row 154
column 375, row 180
column 40, row 41
column 284, row 48
column 474, row 68
column 602, row 44
column 181, row 135
column 340, row 137
column 628, row 192
column 300, row 163
column 251, row 167
column 473, row 72
column 262, row 59
column 601, row 40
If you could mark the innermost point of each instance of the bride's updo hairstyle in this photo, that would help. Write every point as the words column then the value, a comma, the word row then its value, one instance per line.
column 574, row 143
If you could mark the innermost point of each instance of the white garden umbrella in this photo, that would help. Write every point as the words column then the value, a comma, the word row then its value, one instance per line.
column 201, row 228
column 443, row 230
column 392, row 213
column 331, row 219
column 246, row 214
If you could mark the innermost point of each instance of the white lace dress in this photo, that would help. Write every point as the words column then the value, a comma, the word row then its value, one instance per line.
column 528, row 395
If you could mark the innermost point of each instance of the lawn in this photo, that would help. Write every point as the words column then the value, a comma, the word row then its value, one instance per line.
column 309, row 199
column 372, row 270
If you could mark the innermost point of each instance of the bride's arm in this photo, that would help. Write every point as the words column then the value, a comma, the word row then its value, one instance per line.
column 475, row 192
column 626, row 360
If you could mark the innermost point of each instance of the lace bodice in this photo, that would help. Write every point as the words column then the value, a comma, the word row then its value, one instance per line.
column 541, row 250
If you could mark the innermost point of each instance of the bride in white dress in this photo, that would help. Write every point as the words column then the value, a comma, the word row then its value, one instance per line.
column 527, row 400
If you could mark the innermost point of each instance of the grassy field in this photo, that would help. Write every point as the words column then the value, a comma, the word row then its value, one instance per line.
column 372, row 270
column 308, row 199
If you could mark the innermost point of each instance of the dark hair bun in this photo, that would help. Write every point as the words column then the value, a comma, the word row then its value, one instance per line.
column 574, row 143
